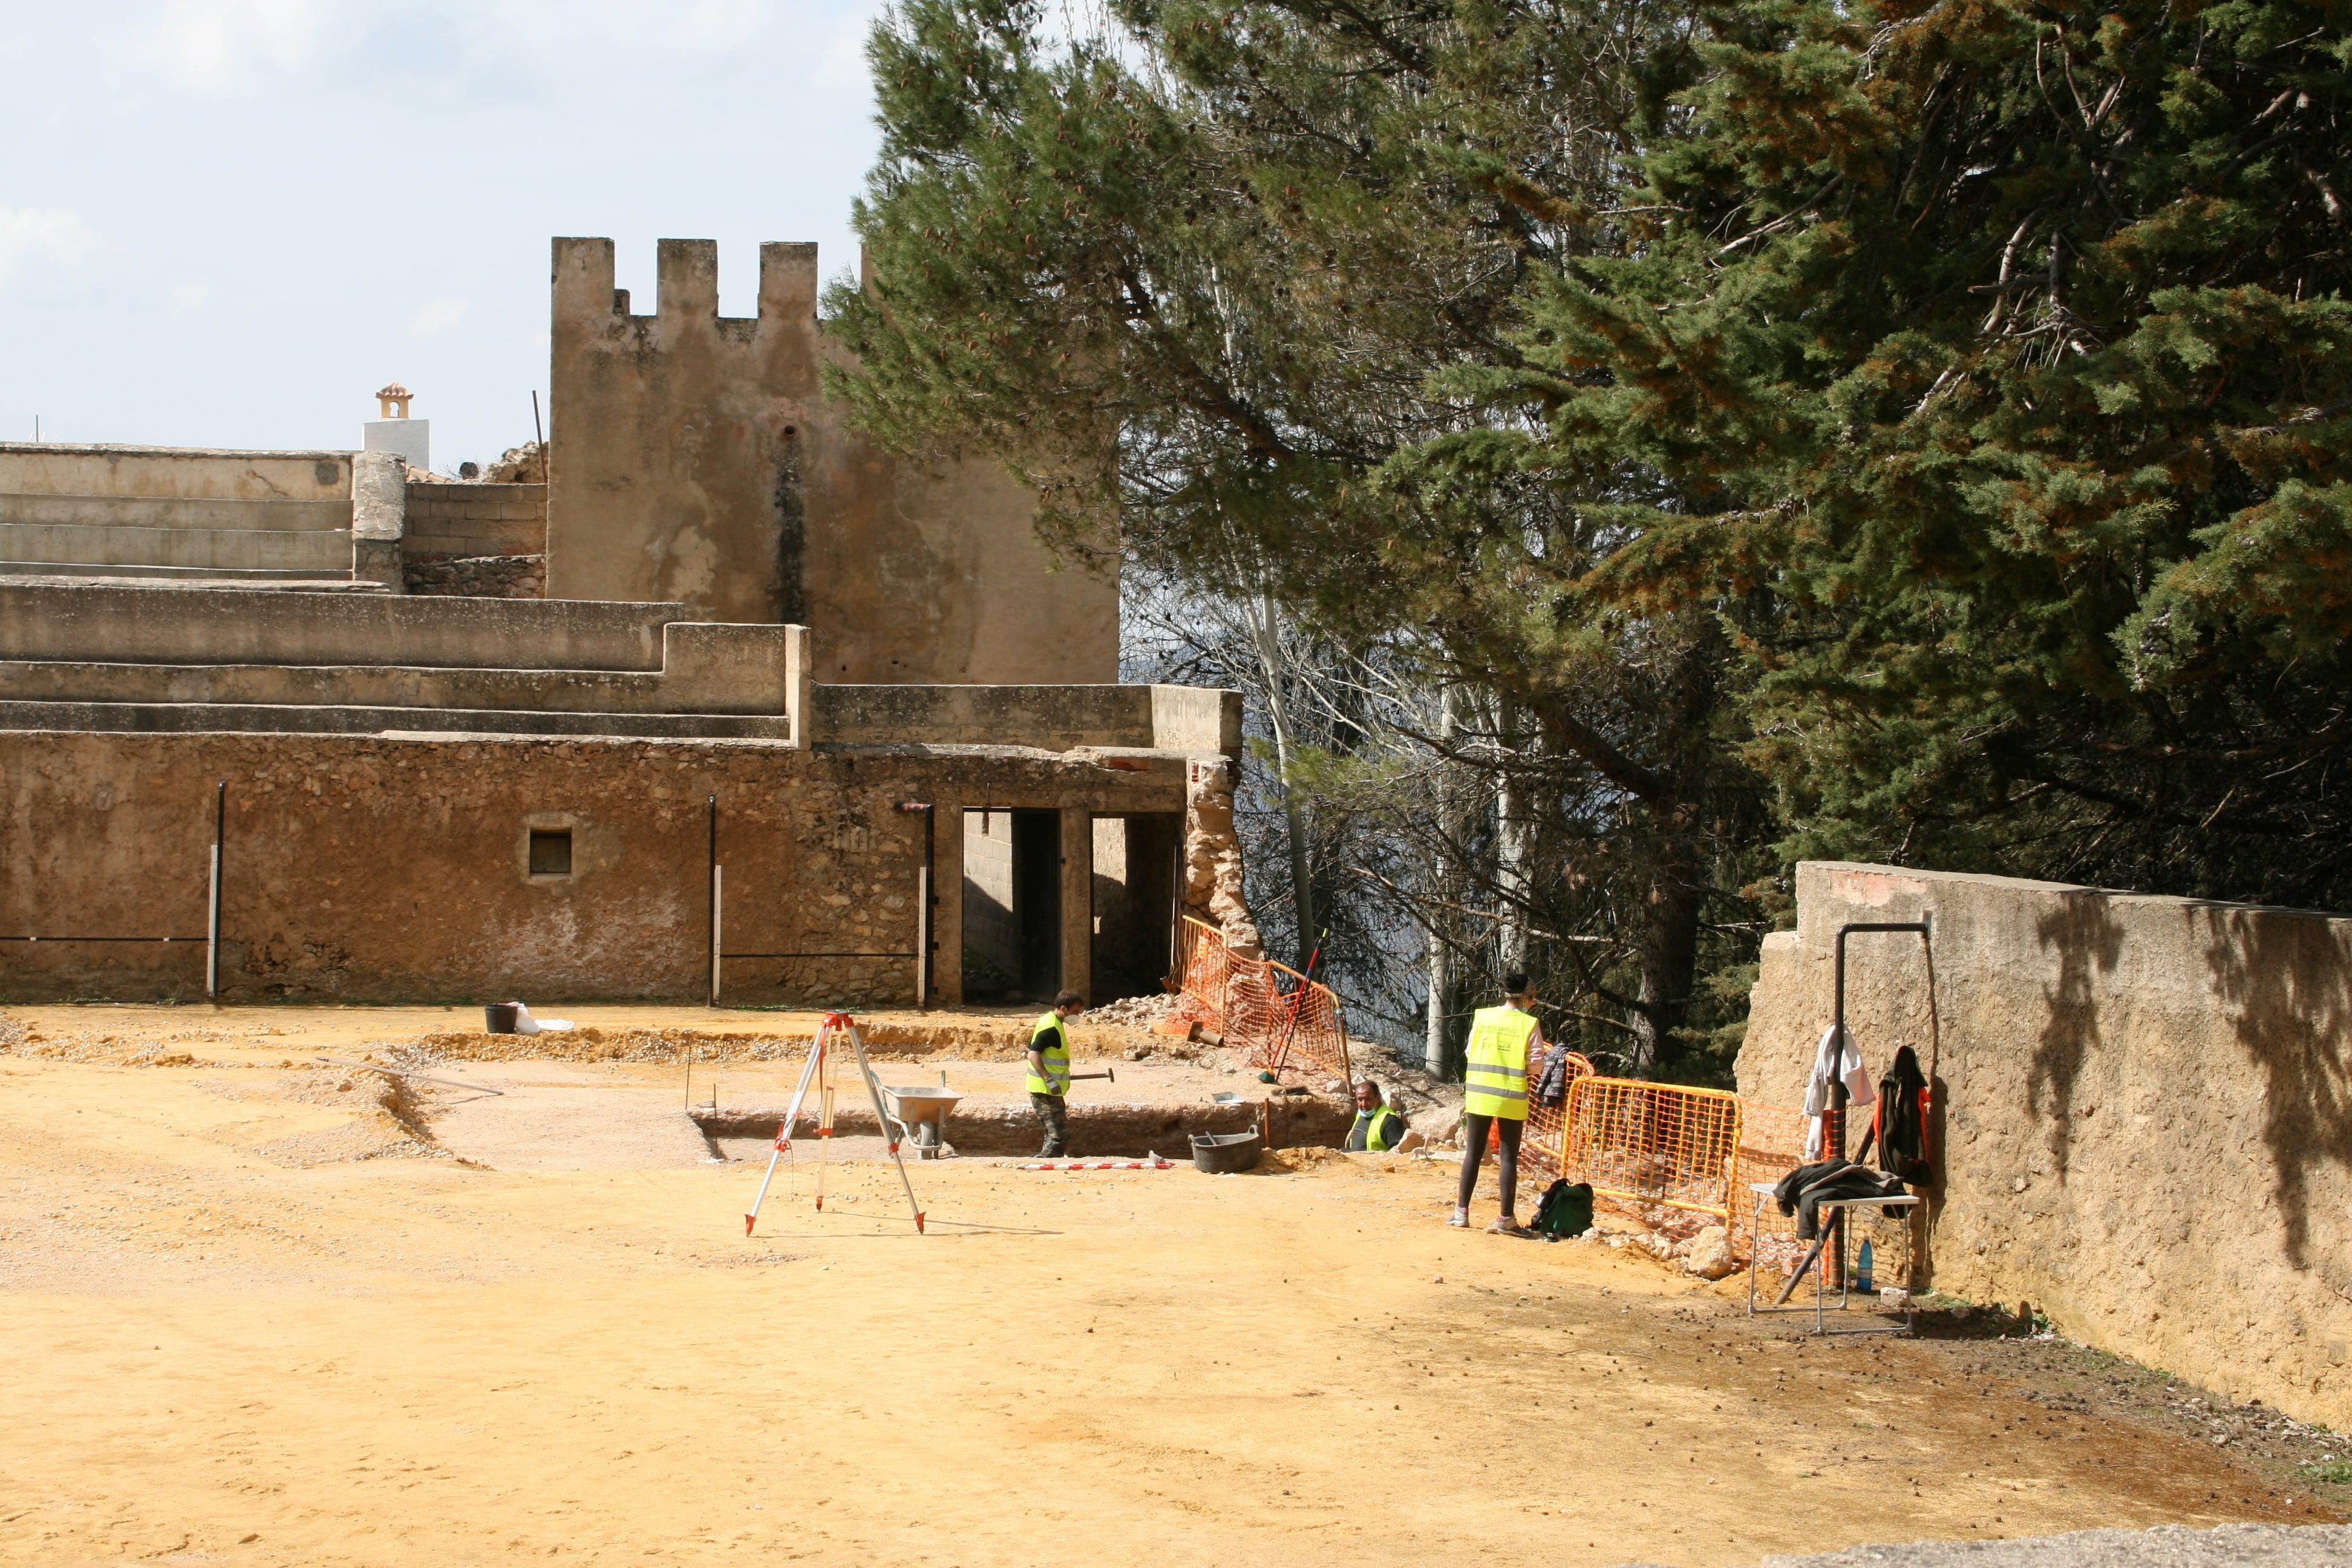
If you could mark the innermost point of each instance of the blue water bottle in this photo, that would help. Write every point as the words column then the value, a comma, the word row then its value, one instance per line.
column 1862, row 1269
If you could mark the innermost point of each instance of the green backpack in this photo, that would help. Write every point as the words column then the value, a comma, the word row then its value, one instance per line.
column 1566, row 1210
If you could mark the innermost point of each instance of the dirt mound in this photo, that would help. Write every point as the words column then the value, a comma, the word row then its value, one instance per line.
column 1315, row 1157
column 1135, row 1012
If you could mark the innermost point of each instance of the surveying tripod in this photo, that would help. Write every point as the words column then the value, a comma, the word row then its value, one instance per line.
column 818, row 1070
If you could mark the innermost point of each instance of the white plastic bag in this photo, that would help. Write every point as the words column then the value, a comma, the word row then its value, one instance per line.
column 527, row 1025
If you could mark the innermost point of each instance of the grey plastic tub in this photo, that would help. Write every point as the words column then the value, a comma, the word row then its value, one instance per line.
column 1218, row 1153
column 499, row 1017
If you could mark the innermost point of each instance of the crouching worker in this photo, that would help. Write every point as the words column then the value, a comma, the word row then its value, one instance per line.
column 1378, row 1129
column 1049, row 1072
column 1494, row 1097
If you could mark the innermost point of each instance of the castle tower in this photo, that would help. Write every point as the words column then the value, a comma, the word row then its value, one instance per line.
column 693, row 457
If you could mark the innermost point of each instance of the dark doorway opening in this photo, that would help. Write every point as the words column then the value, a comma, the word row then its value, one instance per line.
column 1012, row 905
column 1134, row 903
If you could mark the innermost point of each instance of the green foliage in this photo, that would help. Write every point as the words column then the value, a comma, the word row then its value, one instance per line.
column 1889, row 431
column 2002, row 350
column 1201, row 291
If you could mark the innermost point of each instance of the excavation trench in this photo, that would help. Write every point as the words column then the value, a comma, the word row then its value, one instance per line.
column 1107, row 1131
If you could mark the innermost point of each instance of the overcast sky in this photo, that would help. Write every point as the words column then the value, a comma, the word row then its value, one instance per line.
column 226, row 222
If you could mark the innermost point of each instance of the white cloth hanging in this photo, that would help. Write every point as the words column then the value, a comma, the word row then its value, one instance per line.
column 1829, row 1064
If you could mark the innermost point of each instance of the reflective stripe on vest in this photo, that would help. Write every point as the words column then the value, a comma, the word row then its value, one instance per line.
column 1058, row 1057
column 1496, row 1081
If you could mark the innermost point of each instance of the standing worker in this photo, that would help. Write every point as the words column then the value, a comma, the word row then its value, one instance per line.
column 1495, row 1095
column 1049, row 1072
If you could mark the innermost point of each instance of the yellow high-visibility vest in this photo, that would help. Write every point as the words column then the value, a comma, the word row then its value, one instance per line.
column 1383, row 1129
column 1058, row 1057
column 1497, row 1082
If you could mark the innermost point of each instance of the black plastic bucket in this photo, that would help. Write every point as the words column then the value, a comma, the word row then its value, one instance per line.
column 499, row 1017
column 1218, row 1153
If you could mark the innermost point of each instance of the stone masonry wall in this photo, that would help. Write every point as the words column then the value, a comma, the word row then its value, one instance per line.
column 480, row 541
column 1213, row 856
column 2143, row 1108
column 457, row 519
column 372, row 868
column 478, row 576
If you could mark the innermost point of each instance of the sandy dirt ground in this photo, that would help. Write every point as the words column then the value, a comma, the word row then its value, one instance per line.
column 248, row 1317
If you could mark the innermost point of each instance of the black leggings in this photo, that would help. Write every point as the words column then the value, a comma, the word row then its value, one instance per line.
column 1474, row 1149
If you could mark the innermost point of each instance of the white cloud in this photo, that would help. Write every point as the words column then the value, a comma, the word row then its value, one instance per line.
column 436, row 317
column 48, row 250
column 219, row 46
column 188, row 299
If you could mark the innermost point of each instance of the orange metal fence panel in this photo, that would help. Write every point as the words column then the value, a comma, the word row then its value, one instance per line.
column 1542, row 1146
column 1654, row 1144
column 1306, row 1025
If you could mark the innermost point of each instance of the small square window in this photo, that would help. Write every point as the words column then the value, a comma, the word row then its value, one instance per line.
column 551, row 852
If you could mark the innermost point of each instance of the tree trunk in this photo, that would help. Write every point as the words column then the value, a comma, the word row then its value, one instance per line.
column 1668, row 956
column 1265, row 633
column 1441, row 1046
column 1514, row 850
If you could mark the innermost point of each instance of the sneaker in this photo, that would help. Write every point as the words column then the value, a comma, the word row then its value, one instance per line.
column 1461, row 1220
column 1507, row 1225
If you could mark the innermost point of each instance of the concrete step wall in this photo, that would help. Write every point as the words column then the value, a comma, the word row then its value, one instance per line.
column 193, row 717
column 704, row 670
column 308, row 552
column 160, row 511
column 162, row 624
column 202, row 512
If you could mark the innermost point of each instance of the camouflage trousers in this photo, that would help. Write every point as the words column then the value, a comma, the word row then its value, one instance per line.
column 1054, row 1113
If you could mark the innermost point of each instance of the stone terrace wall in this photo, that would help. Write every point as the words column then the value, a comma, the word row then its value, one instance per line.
column 2144, row 1108
column 374, row 869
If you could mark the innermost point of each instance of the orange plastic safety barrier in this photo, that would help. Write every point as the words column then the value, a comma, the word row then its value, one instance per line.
column 1244, row 1003
column 1658, row 1143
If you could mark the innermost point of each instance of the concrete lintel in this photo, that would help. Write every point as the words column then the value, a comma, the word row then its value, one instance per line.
column 1196, row 719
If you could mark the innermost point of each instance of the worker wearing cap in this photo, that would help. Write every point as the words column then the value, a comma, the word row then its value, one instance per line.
column 1049, row 1072
column 1494, row 1096
column 1378, row 1128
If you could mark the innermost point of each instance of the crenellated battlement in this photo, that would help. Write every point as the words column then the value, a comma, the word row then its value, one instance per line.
column 693, row 457
column 686, row 286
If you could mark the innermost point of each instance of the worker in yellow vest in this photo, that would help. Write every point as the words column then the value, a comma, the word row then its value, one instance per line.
column 1049, row 1072
column 1494, row 1097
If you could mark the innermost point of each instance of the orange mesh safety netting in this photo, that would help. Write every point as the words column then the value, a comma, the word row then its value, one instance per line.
column 1202, row 963
column 1242, row 1001
column 1653, row 1143
column 1541, row 1145
column 1771, row 1145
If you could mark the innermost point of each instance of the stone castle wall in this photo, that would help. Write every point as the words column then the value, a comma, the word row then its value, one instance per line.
column 2143, row 1108
column 367, row 868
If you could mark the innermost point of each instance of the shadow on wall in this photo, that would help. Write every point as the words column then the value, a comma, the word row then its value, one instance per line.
column 2089, row 940
column 2289, row 981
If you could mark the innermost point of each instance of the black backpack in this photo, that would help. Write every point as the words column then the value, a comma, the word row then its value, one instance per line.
column 1566, row 1210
